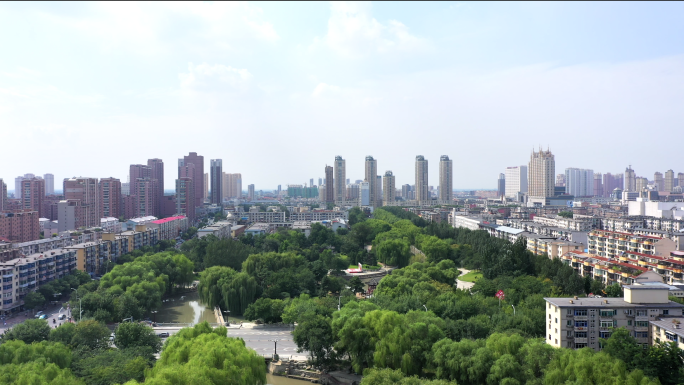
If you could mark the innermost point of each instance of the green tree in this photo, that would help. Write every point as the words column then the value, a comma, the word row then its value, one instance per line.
column 63, row 334
column 314, row 334
column 356, row 285
column 565, row 214
column 33, row 300
column 394, row 252
column 111, row 366
column 396, row 377
column 202, row 355
column 91, row 334
column 664, row 361
column 266, row 309
column 623, row 346
column 133, row 335
column 614, row 290
column 226, row 252
column 37, row 372
column 29, row 331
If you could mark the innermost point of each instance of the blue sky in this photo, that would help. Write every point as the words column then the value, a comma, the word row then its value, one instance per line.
column 276, row 90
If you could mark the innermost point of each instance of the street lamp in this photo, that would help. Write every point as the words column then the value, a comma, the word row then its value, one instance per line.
column 80, row 308
column 155, row 315
column 275, row 347
column 513, row 309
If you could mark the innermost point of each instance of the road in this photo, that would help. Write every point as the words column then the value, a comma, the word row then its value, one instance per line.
column 53, row 313
column 464, row 285
column 261, row 340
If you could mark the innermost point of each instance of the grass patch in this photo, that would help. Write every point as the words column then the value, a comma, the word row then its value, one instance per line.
column 366, row 267
column 470, row 277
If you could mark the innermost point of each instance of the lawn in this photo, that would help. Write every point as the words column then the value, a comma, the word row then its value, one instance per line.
column 470, row 277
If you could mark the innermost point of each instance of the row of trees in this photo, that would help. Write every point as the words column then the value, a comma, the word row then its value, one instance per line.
column 82, row 354
column 134, row 288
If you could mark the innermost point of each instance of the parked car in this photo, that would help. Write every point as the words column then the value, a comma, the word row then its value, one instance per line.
column 39, row 314
column 43, row 316
column 163, row 335
column 61, row 317
column 111, row 337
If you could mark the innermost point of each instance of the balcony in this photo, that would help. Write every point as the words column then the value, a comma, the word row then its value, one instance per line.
column 8, row 276
column 582, row 340
column 641, row 328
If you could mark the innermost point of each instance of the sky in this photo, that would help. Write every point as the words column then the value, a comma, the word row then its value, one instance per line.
column 276, row 90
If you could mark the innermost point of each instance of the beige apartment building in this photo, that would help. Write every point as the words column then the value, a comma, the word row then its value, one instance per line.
column 668, row 329
column 581, row 322
column 611, row 244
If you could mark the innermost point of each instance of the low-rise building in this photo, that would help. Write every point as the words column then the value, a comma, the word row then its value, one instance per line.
column 131, row 223
column 303, row 227
column 581, row 322
column 318, row 215
column 667, row 329
column 237, row 230
column 611, row 244
column 170, row 228
column 25, row 274
column 219, row 229
column 110, row 225
column 258, row 229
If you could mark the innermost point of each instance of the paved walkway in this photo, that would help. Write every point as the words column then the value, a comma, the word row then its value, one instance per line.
column 462, row 284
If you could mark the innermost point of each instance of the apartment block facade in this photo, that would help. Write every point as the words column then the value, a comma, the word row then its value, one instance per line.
column 577, row 323
column 20, row 226
column 23, row 275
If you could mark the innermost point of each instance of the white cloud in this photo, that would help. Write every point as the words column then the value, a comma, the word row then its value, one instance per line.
column 353, row 32
column 146, row 27
column 212, row 77
column 323, row 89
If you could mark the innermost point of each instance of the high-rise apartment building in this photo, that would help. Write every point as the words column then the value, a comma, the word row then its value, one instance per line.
column 32, row 194
column 185, row 194
column 630, row 180
column 216, row 169
column 49, row 184
column 371, row 177
column 611, row 182
column 17, row 183
column 206, row 187
column 389, row 188
column 446, row 179
column 236, row 185
column 560, row 180
column 156, row 166
column 500, row 186
column 669, row 181
column 422, row 192
column 83, row 193
column 250, row 192
column 197, row 175
column 364, row 193
column 3, row 195
column 340, row 177
column 680, row 179
column 641, row 184
column 352, row 192
column 579, row 182
column 109, row 191
column 378, row 189
column 20, row 226
column 329, row 184
column 145, row 187
column 516, row 181
column 311, row 182
column 659, row 181
column 541, row 176
column 598, row 184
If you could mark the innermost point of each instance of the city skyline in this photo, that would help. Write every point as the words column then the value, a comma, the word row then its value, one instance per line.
column 376, row 72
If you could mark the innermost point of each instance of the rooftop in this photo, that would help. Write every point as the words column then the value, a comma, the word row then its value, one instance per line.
column 670, row 324
column 169, row 219
column 612, row 303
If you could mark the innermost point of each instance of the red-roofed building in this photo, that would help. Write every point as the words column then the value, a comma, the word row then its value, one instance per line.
column 170, row 228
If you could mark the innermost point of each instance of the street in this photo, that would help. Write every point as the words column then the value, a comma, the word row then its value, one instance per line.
column 53, row 313
column 261, row 340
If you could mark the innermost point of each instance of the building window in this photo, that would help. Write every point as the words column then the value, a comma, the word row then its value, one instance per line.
column 549, row 337
column 666, row 312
